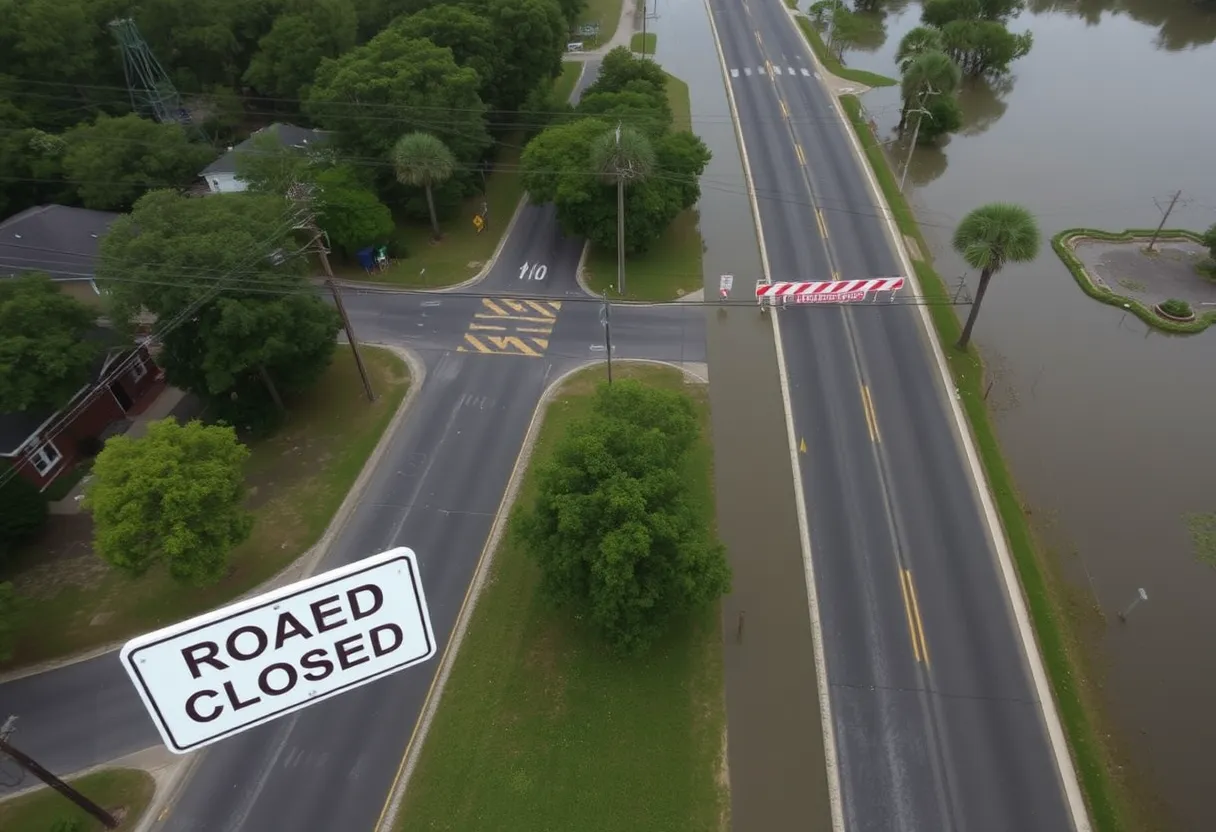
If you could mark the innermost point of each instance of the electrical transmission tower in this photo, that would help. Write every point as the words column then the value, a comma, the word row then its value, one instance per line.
column 152, row 93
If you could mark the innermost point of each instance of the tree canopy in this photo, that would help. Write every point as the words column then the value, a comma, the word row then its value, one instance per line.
column 306, row 33
column 45, row 349
column 23, row 510
column 974, row 33
column 174, row 497
column 613, row 526
column 257, row 333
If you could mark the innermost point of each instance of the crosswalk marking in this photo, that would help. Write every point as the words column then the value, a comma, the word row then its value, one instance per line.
column 790, row 70
column 774, row 71
column 734, row 73
column 805, row 72
column 760, row 70
column 511, row 326
column 747, row 71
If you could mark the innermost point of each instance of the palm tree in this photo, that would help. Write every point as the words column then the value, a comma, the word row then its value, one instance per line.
column 423, row 160
column 927, row 71
column 918, row 40
column 988, row 238
column 622, row 157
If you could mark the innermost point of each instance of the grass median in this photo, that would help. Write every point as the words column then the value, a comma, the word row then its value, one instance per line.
column 72, row 601
column 1050, row 609
column 122, row 792
column 671, row 267
column 540, row 727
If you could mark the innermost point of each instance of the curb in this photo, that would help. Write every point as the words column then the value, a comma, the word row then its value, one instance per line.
column 308, row 560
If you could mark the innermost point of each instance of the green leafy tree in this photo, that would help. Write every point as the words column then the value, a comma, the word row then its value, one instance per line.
column 23, row 510
column 821, row 12
column 173, row 497
column 205, row 42
column 943, row 115
column 855, row 30
column 988, row 239
column 45, row 356
column 636, row 106
column 289, row 54
column 940, row 12
column 31, row 170
column 621, row 70
column 984, row 47
column 262, row 336
column 115, row 160
column 424, row 161
column 917, row 41
column 414, row 81
column 1209, row 240
column 929, row 74
column 614, row 527
column 470, row 36
column 532, row 37
column 10, row 609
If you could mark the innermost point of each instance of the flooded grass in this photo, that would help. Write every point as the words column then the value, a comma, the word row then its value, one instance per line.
column 297, row 479
column 1058, row 644
column 540, row 727
column 644, row 43
column 1202, row 528
column 672, row 266
column 122, row 792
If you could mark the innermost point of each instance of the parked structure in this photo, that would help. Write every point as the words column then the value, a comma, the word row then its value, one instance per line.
column 57, row 239
column 220, row 175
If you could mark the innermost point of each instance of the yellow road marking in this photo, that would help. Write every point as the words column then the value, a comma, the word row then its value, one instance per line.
column 757, row 33
column 768, row 66
column 785, row 111
column 920, row 648
column 823, row 226
column 532, row 320
column 475, row 342
column 871, row 417
column 801, row 158
column 489, row 327
column 802, row 446
column 494, row 307
column 508, row 343
column 543, row 309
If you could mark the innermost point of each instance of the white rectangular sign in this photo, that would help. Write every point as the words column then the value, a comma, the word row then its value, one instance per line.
column 726, row 282
column 229, row 670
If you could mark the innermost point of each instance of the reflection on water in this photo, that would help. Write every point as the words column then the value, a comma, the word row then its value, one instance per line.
column 1109, row 422
column 983, row 103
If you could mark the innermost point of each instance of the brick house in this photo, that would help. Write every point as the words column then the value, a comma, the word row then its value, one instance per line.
column 44, row 444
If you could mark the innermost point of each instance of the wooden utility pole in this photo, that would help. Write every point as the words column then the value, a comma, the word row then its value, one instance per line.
column 606, row 320
column 1164, row 219
column 33, row 767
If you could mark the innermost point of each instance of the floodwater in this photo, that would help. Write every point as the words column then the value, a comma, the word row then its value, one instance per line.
column 1106, row 423
column 775, row 747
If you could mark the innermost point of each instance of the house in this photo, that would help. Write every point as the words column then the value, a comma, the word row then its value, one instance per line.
column 220, row 175
column 57, row 239
column 43, row 444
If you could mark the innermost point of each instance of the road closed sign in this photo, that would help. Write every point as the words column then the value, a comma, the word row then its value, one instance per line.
column 243, row 665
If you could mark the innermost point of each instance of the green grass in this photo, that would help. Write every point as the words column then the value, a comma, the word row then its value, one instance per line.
column 298, row 478
column 672, row 266
column 119, row 791
column 462, row 252
column 563, row 86
column 1062, row 245
column 1047, row 601
column 644, row 44
column 833, row 65
column 605, row 12
column 541, row 728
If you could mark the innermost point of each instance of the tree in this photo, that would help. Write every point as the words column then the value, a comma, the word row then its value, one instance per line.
column 988, row 238
column 392, row 82
column 940, row 12
column 45, row 354
column 851, row 29
column 917, row 41
column 423, row 161
column 984, row 47
column 115, row 160
column 10, row 608
column 289, row 54
column 469, row 35
column 1209, row 240
column 532, row 37
column 614, row 527
column 933, row 73
column 23, row 510
column 173, row 497
column 943, row 115
column 255, row 333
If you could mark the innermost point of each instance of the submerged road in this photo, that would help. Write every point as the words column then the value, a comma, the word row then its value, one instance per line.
column 937, row 724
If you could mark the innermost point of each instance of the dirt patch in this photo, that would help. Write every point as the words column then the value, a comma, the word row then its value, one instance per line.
column 1170, row 271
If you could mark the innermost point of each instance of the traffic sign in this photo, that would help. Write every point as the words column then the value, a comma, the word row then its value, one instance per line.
column 726, row 282
column 478, row 223
column 243, row 665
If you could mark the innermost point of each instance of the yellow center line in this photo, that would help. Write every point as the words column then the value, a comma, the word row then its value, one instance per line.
column 871, row 416
column 801, row 158
column 785, row 111
column 823, row 226
column 768, row 67
column 919, row 646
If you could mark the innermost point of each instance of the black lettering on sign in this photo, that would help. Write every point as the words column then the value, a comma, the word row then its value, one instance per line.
column 345, row 650
column 234, row 698
column 264, row 679
column 319, row 666
column 260, row 641
column 381, row 649
column 209, row 651
column 289, row 626
column 319, row 615
column 193, row 712
column 377, row 601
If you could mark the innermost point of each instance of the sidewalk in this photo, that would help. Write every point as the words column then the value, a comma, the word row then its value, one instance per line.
column 624, row 34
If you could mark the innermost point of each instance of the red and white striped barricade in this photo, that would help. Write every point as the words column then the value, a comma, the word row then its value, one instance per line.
column 826, row 291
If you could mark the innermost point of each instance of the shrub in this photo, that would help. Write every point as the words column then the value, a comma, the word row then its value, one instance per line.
column 1207, row 267
column 1176, row 308
column 23, row 510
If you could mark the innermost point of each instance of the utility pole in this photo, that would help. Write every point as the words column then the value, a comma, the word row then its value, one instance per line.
column 33, row 767
column 620, row 218
column 606, row 320
column 921, row 113
column 1164, row 219
column 301, row 192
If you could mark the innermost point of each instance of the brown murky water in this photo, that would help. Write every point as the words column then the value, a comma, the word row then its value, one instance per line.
column 1107, row 424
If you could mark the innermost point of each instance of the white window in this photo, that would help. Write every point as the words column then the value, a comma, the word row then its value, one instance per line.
column 46, row 458
column 138, row 369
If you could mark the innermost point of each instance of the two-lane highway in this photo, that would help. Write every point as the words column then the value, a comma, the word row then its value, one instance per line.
column 937, row 723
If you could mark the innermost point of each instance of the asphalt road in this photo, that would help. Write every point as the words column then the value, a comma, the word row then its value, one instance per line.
column 936, row 721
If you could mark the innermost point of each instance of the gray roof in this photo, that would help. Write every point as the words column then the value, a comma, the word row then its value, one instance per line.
column 288, row 135
column 57, row 239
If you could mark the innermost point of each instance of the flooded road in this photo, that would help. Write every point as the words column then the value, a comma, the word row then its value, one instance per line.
column 775, row 745
column 1107, row 425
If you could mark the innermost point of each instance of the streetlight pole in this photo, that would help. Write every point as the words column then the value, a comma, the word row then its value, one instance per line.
column 620, row 217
